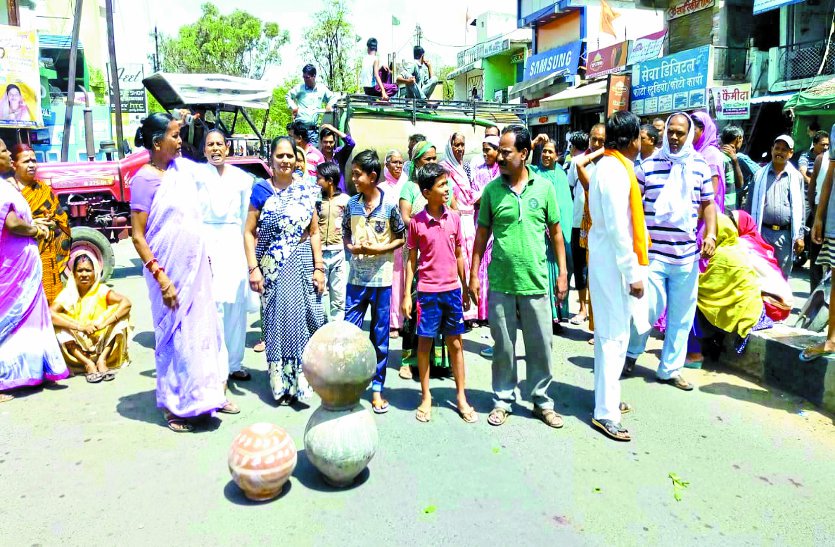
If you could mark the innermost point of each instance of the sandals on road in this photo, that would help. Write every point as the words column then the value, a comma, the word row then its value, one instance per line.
column 469, row 415
column 5, row 397
column 612, row 430
column 242, row 375
column 549, row 417
column 678, row 382
column 814, row 352
column 423, row 415
column 229, row 408
column 380, row 406
column 178, row 425
column 94, row 377
column 497, row 416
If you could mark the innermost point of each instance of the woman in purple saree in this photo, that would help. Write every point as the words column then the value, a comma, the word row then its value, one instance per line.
column 191, row 359
column 29, row 351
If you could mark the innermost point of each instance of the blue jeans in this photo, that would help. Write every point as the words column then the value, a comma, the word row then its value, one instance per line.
column 675, row 288
column 357, row 300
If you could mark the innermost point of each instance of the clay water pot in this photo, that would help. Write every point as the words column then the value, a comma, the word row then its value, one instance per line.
column 261, row 459
column 338, row 363
column 340, row 443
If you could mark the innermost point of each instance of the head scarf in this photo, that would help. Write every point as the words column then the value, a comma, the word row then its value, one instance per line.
column 708, row 137
column 492, row 140
column 674, row 203
column 708, row 147
column 69, row 295
column 417, row 152
column 462, row 186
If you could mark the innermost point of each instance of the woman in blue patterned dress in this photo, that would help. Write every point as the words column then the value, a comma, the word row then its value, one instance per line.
column 284, row 254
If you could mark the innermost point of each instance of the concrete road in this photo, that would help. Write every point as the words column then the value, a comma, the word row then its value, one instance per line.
column 85, row 464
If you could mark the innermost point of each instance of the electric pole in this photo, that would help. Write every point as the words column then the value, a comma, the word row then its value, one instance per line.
column 156, row 49
column 418, row 34
column 76, row 28
column 115, row 92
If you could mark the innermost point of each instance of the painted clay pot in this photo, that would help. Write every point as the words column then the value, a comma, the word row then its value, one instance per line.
column 340, row 443
column 261, row 459
column 338, row 363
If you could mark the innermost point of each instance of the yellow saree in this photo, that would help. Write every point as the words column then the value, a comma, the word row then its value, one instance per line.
column 55, row 250
column 729, row 293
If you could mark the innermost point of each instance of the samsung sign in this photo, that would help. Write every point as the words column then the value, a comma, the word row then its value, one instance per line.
column 560, row 59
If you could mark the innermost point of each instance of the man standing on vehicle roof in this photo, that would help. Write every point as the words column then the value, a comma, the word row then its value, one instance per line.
column 416, row 79
column 306, row 99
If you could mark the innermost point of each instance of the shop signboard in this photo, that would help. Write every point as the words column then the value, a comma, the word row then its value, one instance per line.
column 646, row 48
column 686, row 7
column 761, row 6
column 518, row 57
column 20, row 79
column 672, row 83
column 618, row 93
column 560, row 59
column 607, row 60
column 733, row 102
column 132, row 91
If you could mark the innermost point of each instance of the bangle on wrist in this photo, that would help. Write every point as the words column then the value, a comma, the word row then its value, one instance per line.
column 319, row 270
column 150, row 262
column 252, row 269
column 156, row 272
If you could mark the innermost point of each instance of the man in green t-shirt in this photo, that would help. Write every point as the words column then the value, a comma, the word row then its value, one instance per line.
column 517, row 208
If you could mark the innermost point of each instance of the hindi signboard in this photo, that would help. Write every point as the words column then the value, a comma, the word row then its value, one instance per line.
column 560, row 59
column 672, row 83
column 607, row 60
column 20, row 79
column 686, row 7
column 733, row 102
column 646, row 48
column 618, row 93
column 761, row 6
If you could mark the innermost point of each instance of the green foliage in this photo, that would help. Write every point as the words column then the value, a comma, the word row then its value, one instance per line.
column 449, row 85
column 331, row 45
column 153, row 105
column 98, row 85
column 238, row 44
column 278, row 116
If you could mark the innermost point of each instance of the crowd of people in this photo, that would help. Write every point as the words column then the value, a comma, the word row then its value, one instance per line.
column 666, row 224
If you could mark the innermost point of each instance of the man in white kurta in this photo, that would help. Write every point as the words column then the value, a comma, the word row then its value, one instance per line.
column 224, row 195
column 615, row 277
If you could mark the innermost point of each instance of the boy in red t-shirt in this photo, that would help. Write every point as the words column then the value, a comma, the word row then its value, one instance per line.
column 435, row 241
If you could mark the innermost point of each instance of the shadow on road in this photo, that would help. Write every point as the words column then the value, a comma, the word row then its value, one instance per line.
column 234, row 494
column 408, row 399
column 310, row 477
column 135, row 269
column 760, row 396
column 258, row 385
column 145, row 339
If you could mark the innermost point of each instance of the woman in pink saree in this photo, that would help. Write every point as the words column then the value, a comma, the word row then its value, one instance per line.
column 467, row 196
column 483, row 174
column 191, row 358
column 391, row 187
column 29, row 351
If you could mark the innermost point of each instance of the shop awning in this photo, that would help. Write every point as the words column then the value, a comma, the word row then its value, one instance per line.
column 781, row 98
column 537, row 84
column 475, row 65
column 817, row 100
column 586, row 95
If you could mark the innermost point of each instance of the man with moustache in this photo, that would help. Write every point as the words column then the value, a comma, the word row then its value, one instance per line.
column 516, row 208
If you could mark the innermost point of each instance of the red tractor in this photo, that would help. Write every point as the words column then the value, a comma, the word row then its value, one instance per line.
column 96, row 195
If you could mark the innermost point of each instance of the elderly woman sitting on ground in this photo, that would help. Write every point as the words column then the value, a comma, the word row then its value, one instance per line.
column 91, row 322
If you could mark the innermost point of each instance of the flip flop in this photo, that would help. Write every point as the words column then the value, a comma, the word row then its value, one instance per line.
column 94, row 377
column 179, row 425
column 380, row 407
column 259, row 347
column 575, row 321
column 625, row 408
column 470, row 416
column 406, row 372
column 5, row 397
column 109, row 376
column 422, row 415
column 612, row 430
column 498, row 416
column 242, row 375
column 808, row 357
column 229, row 408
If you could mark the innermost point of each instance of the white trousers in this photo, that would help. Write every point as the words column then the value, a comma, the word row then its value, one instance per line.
column 233, row 318
column 611, row 300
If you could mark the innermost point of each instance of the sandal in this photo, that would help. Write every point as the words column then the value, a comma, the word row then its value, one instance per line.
column 612, row 430
column 578, row 319
column 406, row 372
column 5, row 397
column 470, row 416
column 679, row 382
column 628, row 366
column 380, row 406
column 549, row 416
column 259, row 347
column 814, row 352
column 242, row 375
column 109, row 376
column 179, row 425
column 625, row 408
column 94, row 377
column 229, row 408
column 422, row 415
column 498, row 416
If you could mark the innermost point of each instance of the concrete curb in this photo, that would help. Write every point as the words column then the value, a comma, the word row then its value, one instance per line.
column 772, row 358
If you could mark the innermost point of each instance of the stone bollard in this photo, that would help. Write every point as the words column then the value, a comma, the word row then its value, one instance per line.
column 341, row 436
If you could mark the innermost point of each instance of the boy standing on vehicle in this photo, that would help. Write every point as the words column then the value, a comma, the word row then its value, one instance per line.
column 435, row 241
column 371, row 230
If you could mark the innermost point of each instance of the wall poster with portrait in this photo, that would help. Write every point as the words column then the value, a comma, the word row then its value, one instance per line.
column 20, row 84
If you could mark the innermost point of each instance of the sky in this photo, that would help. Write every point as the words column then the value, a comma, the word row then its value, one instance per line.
column 443, row 23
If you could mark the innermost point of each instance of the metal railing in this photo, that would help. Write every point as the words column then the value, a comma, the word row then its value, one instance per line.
column 730, row 63
column 804, row 59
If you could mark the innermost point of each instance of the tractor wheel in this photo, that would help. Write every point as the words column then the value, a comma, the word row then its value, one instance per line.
column 93, row 242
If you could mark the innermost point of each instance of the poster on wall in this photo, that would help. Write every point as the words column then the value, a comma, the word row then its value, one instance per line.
column 618, row 93
column 675, row 82
column 20, row 79
column 607, row 60
column 732, row 102
column 646, row 48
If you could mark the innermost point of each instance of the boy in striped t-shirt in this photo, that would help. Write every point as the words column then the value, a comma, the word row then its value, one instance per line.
column 677, row 188
column 372, row 229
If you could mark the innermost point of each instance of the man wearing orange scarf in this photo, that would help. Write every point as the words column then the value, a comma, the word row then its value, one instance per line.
column 618, row 262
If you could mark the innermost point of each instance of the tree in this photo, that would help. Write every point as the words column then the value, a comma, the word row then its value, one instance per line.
column 238, row 44
column 331, row 43
column 279, row 115
column 449, row 85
